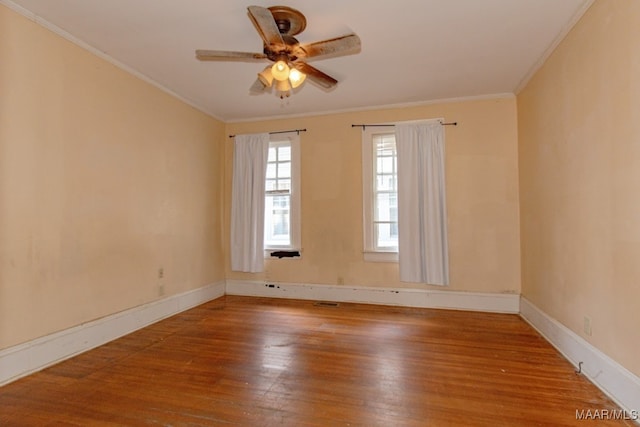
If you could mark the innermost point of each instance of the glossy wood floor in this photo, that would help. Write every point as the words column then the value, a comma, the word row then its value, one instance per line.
column 240, row 361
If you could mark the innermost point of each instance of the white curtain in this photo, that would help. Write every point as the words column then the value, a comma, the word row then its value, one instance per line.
column 247, row 202
column 422, row 210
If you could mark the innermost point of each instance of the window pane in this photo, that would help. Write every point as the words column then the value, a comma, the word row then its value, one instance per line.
column 385, row 145
column 270, row 185
column 386, row 164
column 277, row 218
column 386, row 235
column 284, row 184
column 386, row 207
column 386, row 183
column 271, row 170
column 284, row 153
column 284, row 170
column 272, row 154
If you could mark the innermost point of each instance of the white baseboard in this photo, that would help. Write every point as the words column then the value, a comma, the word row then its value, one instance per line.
column 24, row 359
column 613, row 379
column 422, row 298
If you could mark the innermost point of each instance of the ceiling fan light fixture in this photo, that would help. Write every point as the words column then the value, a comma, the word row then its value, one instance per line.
column 266, row 77
column 283, row 85
column 296, row 77
column 280, row 70
column 277, row 26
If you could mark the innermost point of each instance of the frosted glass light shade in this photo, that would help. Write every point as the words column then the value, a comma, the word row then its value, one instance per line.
column 296, row 77
column 283, row 85
column 266, row 77
column 280, row 71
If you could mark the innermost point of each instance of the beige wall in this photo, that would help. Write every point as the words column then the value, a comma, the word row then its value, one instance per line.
column 579, row 138
column 103, row 180
column 482, row 192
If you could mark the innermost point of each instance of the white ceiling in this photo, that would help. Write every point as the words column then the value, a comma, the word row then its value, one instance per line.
column 413, row 51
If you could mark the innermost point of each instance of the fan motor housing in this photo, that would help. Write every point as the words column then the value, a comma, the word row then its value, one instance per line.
column 292, row 50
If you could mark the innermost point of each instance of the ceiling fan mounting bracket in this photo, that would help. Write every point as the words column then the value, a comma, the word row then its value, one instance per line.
column 289, row 21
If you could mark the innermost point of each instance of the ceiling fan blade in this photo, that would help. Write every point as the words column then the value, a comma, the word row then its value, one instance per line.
column 225, row 55
column 343, row 45
column 316, row 75
column 266, row 25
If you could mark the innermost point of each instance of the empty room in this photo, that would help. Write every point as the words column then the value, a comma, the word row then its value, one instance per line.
column 412, row 213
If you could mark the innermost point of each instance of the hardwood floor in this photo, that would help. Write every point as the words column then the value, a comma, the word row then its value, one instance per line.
column 265, row 362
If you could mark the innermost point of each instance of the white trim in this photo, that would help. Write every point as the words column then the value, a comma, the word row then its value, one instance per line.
column 373, row 256
column 613, row 379
column 27, row 358
column 422, row 298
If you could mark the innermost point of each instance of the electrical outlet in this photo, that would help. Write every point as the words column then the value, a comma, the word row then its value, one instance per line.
column 587, row 325
column 160, row 273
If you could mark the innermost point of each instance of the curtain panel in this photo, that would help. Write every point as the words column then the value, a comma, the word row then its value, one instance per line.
column 422, row 211
column 250, row 154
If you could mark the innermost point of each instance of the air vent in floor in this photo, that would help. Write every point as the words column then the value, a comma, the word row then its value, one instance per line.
column 326, row 304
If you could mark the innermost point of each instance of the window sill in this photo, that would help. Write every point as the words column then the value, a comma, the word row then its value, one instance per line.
column 381, row 256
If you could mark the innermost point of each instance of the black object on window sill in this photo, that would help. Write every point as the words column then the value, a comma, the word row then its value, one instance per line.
column 285, row 254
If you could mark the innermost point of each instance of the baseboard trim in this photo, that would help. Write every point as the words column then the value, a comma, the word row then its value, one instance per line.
column 613, row 379
column 422, row 298
column 24, row 359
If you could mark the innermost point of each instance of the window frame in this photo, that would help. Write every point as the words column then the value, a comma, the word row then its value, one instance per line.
column 371, row 252
column 293, row 140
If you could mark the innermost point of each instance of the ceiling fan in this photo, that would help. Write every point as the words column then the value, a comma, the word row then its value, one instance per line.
column 277, row 26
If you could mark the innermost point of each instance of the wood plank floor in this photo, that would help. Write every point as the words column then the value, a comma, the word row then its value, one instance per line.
column 240, row 361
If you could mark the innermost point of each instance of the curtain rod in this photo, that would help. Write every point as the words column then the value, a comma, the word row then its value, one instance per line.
column 391, row 124
column 281, row 131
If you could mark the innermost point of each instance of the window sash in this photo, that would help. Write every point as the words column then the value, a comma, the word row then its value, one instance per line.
column 385, row 193
column 277, row 220
column 380, row 204
column 282, row 201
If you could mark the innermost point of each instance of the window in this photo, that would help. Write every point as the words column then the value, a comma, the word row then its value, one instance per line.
column 380, row 195
column 282, row 194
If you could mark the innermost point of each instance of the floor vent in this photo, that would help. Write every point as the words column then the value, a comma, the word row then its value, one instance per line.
column 326, row 304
